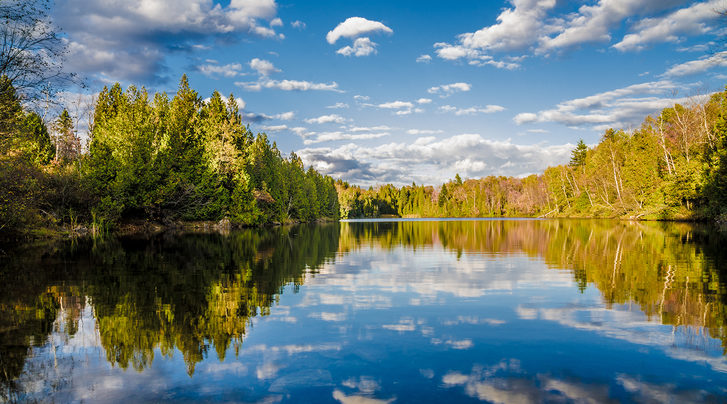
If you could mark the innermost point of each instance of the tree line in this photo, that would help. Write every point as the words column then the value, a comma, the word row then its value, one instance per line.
column 674, row 166
column 150, row 157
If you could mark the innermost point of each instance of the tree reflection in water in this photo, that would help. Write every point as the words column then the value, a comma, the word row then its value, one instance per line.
column 198, row 292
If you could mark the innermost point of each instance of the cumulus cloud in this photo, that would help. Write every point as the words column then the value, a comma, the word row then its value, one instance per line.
column 297, row 24
column 618, row 108
column 424, row 101
column 516, row 29
column 263, row 67
column 354, row 27
column 471, row 155
column 424, row 59
column 228, row 70
column 361, row 47
column 289, row 85
column 333, row 118
column 489, row 109
column 130, row 40
column 449, row 89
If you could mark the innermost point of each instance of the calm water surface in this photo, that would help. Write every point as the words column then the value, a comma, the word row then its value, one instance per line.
column 372, row 312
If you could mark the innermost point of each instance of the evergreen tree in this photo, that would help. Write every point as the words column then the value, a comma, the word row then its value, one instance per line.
column 68, row 145
column 579, row 154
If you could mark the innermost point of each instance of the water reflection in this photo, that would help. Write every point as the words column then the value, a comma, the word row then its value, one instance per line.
column 674, row 272
column 493, row 310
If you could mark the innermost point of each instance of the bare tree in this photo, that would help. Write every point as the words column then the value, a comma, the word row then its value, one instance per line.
column 31, row 51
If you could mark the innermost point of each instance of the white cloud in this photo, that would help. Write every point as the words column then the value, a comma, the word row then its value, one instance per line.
column 314, row 137
column 289, row 85
column 449, row 89
column 667, row 28
column 396, row 105
column 433, row 159
column 101, row 33
column 333, row 118
column 338, row 105
column 400, row 107
column 618, row 108
column 424, row 59
column 424, row 101
column 361, row 97
column 489, row 109
column 276, row 22
column 228, row 70
column 263, row 67
column 592, row 23
column 361, row 47
column 274, row 128
column 298, row 130
column 424, row 132
column 368, row 128
column 285, row 116
column 297, row 24
column 698, row 66
column 532, row 27
column 354, row 27
column 516, row 27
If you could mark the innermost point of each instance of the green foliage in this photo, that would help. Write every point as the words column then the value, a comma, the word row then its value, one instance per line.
column 151, row 158
column 673, row 167
column 192, row 160
column 67, row 142
column 578, row 155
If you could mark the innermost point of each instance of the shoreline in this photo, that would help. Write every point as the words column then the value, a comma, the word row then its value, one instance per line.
column 132, row 228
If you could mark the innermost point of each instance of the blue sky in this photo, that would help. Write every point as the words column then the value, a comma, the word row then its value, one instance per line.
column 399, row 91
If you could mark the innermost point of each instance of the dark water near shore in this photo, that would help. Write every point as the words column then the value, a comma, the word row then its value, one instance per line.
column 372, row 312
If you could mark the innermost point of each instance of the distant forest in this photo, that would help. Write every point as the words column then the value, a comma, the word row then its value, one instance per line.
column 673, row 167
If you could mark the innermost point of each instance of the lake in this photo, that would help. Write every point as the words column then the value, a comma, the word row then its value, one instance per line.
column 372, row 312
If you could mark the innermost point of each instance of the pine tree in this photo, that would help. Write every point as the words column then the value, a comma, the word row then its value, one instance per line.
column 579, row 154
column 68, row 145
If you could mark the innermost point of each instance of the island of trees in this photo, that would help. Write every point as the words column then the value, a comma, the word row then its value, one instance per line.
column 673, row 167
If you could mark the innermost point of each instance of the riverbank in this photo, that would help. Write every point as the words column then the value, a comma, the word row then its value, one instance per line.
column 134, row 228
